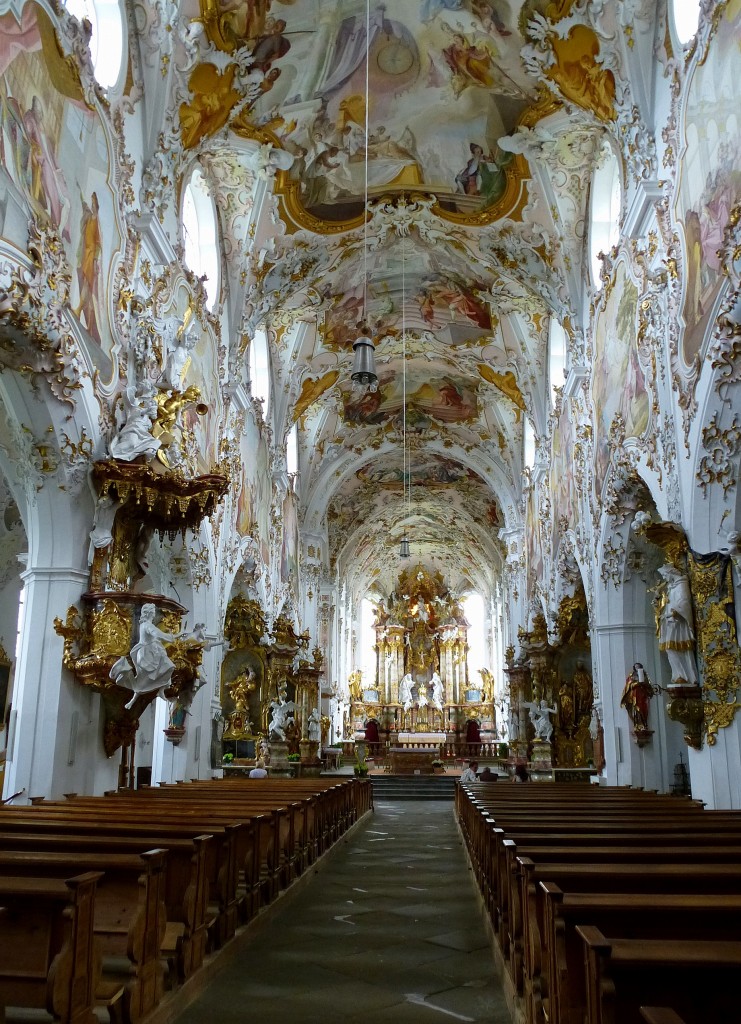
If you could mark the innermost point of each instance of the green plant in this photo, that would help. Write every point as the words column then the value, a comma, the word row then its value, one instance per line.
column 293, row 757
column 437, row 763
column 361, row 769
column 227, row 758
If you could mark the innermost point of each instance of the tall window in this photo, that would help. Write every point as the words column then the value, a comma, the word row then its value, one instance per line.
column 685, row 15
column 604, row 217
column 475, row 612
column 107, row 39
column 367, row 661
column 556, row 356
column 292, row 450
column 260, row 369
column 528, row 449
column 200, row 234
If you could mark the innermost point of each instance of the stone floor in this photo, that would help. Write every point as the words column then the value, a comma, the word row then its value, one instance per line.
column 389, row 931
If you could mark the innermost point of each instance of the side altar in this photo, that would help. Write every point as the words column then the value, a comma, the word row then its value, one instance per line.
column 422, row 693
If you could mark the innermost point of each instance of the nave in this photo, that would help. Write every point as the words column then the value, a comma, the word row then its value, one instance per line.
column 388, row 929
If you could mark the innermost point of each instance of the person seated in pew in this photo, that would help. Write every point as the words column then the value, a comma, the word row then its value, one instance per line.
column 470, row 774
column 487, row 775
column 521, row 774
column 259, row 771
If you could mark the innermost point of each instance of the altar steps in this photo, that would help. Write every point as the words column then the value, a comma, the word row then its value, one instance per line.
column 413, row 787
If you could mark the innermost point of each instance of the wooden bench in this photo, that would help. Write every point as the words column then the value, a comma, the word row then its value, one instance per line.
column 624, row 915
column 700, row 978
column 48, row 957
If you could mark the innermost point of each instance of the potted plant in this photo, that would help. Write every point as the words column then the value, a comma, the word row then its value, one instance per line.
column 227, row 758
column 438, row 767
column 360, row 769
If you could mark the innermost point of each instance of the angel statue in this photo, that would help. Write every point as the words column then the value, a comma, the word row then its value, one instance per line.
column 405, row 692
column 540, row 717
column 135, row 437
column 147, row 666
column 281, row 711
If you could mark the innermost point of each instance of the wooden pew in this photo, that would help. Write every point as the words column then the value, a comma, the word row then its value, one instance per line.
column 48, row 958
column 130, row 915
column 186, row 880
column 700, row 978
column 660, row 1015
column 623, row 915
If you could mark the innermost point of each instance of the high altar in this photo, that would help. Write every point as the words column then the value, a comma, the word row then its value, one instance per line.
column 422, row 694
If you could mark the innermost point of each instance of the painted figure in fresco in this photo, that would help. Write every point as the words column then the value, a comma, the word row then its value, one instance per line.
column 88, row 267
column 135, row 436
column 405, row 691
column 483, row 176
column 270, row 47
column 469, row 64
column 676, row 630
column 147, row 667
column 637, row 694
column 491, row 19
column 540, row 716
column 44, row 176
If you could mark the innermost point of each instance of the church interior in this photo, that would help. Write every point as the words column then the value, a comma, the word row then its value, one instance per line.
column 370, row 397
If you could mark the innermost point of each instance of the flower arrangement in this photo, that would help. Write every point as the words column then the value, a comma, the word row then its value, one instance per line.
column 437, row 763
column 227, row 758
column 360, row 769
column 293, row 758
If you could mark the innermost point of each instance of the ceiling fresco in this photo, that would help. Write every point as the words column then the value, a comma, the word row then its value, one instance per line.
column 474, row 126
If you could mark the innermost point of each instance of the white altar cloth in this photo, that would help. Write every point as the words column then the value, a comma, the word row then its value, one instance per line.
column 430, row 738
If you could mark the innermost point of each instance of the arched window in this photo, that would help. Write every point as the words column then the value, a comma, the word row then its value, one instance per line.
column 200, row 234
column 292, row 450
column 685, row 15
column 474, row 609
column 107, row 39
column 260, row 369
column 604, row 217
column 557, row 349
column 528, row 445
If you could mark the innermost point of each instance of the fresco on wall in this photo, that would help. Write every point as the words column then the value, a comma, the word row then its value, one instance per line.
column 428, row 396
column 263, row 498
column 533, row 540
column 203, row 371
column 710, row 173
column 422, row 472
column 45, row 126
column 247, row 501
column 565, row 502
column 618, row 382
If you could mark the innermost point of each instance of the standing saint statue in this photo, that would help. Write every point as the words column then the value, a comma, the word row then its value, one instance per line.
column 405, row 691
column 148, row 666
column 637, row 693
column 540, row 716
column 437, row 691
column 675, row 626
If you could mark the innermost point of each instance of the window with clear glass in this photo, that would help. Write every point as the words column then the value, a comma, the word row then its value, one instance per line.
column 292, row 450
column 685, row 15
column 200, row 234
column 528, row 445
column 557, row 350
column 107, row 38
column 474, row 610
column 604, row 218
column 260, row 369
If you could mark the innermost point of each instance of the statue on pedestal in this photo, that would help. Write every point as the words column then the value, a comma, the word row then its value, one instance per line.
column 675, row 626
column 281, row 715
column 405, row 692
column 314, row 726
column 540, row 717
column 637, row 694
column 437, row 691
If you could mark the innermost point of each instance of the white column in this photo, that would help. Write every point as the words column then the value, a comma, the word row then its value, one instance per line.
column 55, row 743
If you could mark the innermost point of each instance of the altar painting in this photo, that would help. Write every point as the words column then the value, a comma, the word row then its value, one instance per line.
column 618, row 382
column 709, row 174
column 440, row 397
column 46, row 125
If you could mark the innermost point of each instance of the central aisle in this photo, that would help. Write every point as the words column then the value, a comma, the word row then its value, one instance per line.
column 389, row 931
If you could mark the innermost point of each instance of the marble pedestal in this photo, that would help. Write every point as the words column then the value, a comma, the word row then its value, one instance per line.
column 541, row 755
column 279, row 763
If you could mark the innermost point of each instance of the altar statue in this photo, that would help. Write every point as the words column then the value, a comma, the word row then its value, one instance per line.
column 281, row 714
column 135, row 437
column 405, row 692
column 422, row 696
column 437, row 691
column 540, row 717
column 314, row 726
column 147, row 667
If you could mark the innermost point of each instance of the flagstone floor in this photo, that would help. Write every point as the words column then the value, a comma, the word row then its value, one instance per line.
column 389, row 931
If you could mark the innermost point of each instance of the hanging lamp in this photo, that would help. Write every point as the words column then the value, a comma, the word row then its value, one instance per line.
column 364, row 361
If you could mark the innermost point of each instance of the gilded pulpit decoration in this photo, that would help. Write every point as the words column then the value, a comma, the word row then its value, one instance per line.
column 718, row 655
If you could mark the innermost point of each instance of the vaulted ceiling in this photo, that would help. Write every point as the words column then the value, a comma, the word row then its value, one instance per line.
column 485, row 120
